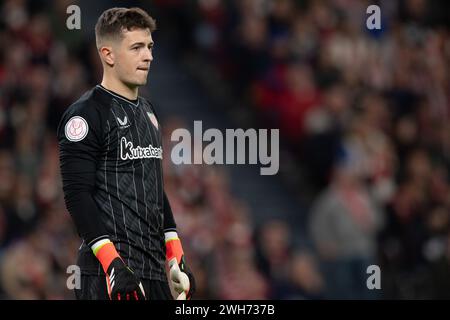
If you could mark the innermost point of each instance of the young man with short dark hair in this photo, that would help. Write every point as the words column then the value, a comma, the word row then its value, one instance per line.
column 111, row 166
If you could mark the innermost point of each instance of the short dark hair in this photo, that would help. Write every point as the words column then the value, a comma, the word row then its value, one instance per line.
column 114, row 21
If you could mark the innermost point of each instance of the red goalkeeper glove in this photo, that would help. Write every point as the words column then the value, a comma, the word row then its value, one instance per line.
column 121, row 281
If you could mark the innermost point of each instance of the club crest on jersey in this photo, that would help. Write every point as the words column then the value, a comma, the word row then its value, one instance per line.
column 76, row 129
column 128, row 151
column 153, row 119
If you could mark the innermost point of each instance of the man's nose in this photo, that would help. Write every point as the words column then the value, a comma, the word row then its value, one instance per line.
column 148, row 55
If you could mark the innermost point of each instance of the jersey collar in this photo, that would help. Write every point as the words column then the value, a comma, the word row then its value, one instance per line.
column 118, row 96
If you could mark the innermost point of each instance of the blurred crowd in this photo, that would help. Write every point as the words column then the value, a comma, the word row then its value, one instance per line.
column 362, row 112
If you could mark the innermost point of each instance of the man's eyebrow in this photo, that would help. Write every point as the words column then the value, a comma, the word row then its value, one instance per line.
column 141, row 44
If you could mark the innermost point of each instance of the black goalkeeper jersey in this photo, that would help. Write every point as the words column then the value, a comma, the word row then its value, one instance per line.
column 111, row 165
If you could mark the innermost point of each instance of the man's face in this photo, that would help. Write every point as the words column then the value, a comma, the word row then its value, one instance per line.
column 133, row 56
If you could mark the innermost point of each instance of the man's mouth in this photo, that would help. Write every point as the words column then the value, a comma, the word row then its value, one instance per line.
column 143, row 68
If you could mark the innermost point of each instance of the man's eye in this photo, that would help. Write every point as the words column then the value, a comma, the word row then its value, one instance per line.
column 135, row 48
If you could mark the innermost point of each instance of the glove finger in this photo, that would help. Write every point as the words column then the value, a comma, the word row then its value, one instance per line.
column 108, row 287
column 115, row 296
column 177, row 287
column 141, row 292
column 174, row 274
column 182, row 296
column 182, row 282
column 175, row 279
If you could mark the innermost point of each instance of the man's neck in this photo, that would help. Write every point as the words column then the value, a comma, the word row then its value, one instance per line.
column 120, row 88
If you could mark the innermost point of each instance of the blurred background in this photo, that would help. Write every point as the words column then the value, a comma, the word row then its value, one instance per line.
column 364, row 157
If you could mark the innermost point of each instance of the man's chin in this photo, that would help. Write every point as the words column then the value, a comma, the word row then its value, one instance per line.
column 142, row 82
column 138, row 83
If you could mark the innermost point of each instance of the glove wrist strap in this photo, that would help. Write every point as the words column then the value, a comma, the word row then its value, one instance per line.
column 173, row 247
column 105, row 252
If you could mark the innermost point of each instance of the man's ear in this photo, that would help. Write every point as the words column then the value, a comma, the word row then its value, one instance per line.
column 107, row 55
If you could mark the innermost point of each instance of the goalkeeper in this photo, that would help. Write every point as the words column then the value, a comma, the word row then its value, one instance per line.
column 111, row 166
